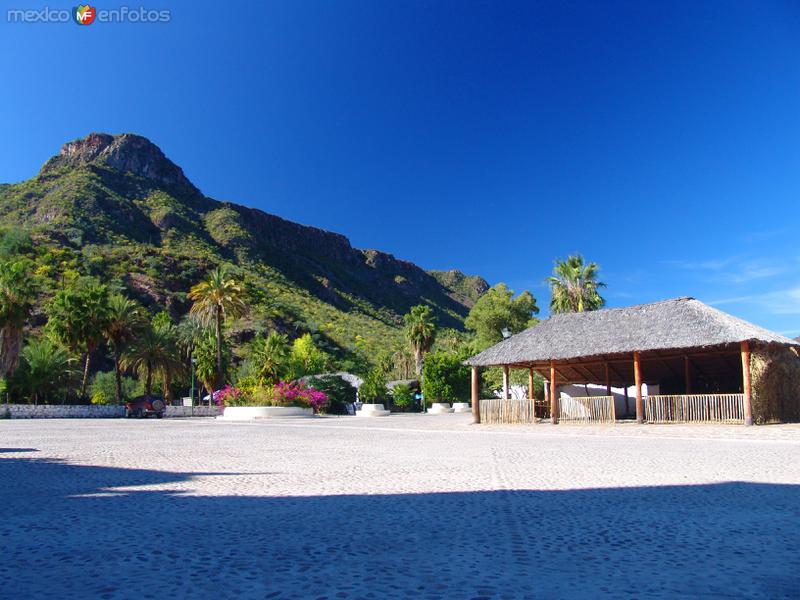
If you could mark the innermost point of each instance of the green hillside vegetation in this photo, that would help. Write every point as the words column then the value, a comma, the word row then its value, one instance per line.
column 106, row 250
column 116, row 211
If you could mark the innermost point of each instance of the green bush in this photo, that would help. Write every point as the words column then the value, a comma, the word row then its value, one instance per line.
column 445, row 378
column 339, row 392
column 373, row 390
column 103, row 388
column 403, row 396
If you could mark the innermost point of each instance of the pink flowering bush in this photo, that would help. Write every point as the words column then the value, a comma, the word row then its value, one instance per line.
column 283, row 393
column 297, row 393
column 230, row 396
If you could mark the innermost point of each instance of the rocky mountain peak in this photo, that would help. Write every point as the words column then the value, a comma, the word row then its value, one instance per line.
column 127, row 153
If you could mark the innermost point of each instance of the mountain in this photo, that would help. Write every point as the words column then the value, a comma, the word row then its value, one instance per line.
column 114, row 206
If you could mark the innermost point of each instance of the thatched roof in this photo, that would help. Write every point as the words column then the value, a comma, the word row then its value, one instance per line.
column 681, row 323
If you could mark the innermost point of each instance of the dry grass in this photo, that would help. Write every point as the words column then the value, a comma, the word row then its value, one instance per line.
column 776, row 385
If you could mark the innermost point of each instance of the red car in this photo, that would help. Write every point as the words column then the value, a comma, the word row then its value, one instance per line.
column 144, row 406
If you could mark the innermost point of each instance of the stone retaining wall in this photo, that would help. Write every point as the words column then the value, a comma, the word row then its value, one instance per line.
column 55, row 411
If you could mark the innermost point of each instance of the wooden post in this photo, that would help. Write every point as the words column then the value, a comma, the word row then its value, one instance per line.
column 530, row 384
column 553, row 394
column 637, row 376
column 476, row 400
column 505, row 383
column 611, row 394
column 746, row 384
column 687, row 374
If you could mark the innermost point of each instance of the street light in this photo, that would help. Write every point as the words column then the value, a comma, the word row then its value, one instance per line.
column 194, row 362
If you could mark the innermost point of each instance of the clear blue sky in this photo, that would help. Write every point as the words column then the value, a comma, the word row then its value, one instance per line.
column 660, row 140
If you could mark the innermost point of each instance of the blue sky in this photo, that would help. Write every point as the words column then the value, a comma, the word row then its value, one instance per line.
column 659, row 140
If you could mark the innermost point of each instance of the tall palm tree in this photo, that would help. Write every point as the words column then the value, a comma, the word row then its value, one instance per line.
column 215, row 299
column 574, row 286
column 420, row 332
column 17, row 293
column 154, row 353
column 125, row 321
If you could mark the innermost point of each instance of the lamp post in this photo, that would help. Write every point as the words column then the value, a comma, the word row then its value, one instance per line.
column 194, row 361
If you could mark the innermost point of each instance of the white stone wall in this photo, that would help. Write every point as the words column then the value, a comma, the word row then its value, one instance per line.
column 197, row 411
column 55, row 411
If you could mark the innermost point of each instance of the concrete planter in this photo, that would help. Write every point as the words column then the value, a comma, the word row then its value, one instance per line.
column 246, row 413
column 440, row 408
column 372, row 410
column 461, row 407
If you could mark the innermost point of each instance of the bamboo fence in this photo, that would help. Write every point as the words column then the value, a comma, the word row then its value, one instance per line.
column 707, row 408
column 498, row 410
column 586, row 409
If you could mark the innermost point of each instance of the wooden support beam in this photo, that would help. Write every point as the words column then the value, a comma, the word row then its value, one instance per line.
column 746, row 384
column 476, row 398
column 608, row 380
column 553, row 394
column 625, row 391
column 505, row 383
column 591, row 379
column 617, row 373
column 669, row 368
column 530, row 384
column 687, row 374
column 637, row 375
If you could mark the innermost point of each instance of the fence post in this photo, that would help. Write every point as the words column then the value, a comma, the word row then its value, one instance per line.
column 553, row 394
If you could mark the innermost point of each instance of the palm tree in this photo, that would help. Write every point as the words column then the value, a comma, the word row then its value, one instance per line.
column 574, row 286
column 269, row 356
column 206, row 366
column 45, row 370
column 216, row 298
column 420, row 332
column 125, row 321
column 155, row 354
column 16, row 301
column 79, row 316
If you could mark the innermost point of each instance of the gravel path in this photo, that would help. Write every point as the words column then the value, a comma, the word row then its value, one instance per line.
column 410, row 506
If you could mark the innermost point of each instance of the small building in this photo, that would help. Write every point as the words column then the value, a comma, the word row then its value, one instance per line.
column 705, row 364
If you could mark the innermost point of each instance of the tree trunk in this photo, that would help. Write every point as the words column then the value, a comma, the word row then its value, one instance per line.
column 10, row 346
column 148, row 382
column 86, row 367
column 219, row 348
column 418, row 362
column 117, row 375
column 208, row 385
column 167, row 387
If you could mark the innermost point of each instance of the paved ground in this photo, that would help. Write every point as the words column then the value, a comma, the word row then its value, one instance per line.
column 405, row 507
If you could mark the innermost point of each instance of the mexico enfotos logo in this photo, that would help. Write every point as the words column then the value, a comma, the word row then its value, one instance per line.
column 85, row 14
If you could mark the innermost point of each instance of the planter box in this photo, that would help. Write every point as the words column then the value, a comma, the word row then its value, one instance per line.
column 372, row 410
column 246, row 413
column 440, row 408
column 462, row 407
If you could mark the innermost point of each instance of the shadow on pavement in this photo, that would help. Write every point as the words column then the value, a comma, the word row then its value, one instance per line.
column 70, row 531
